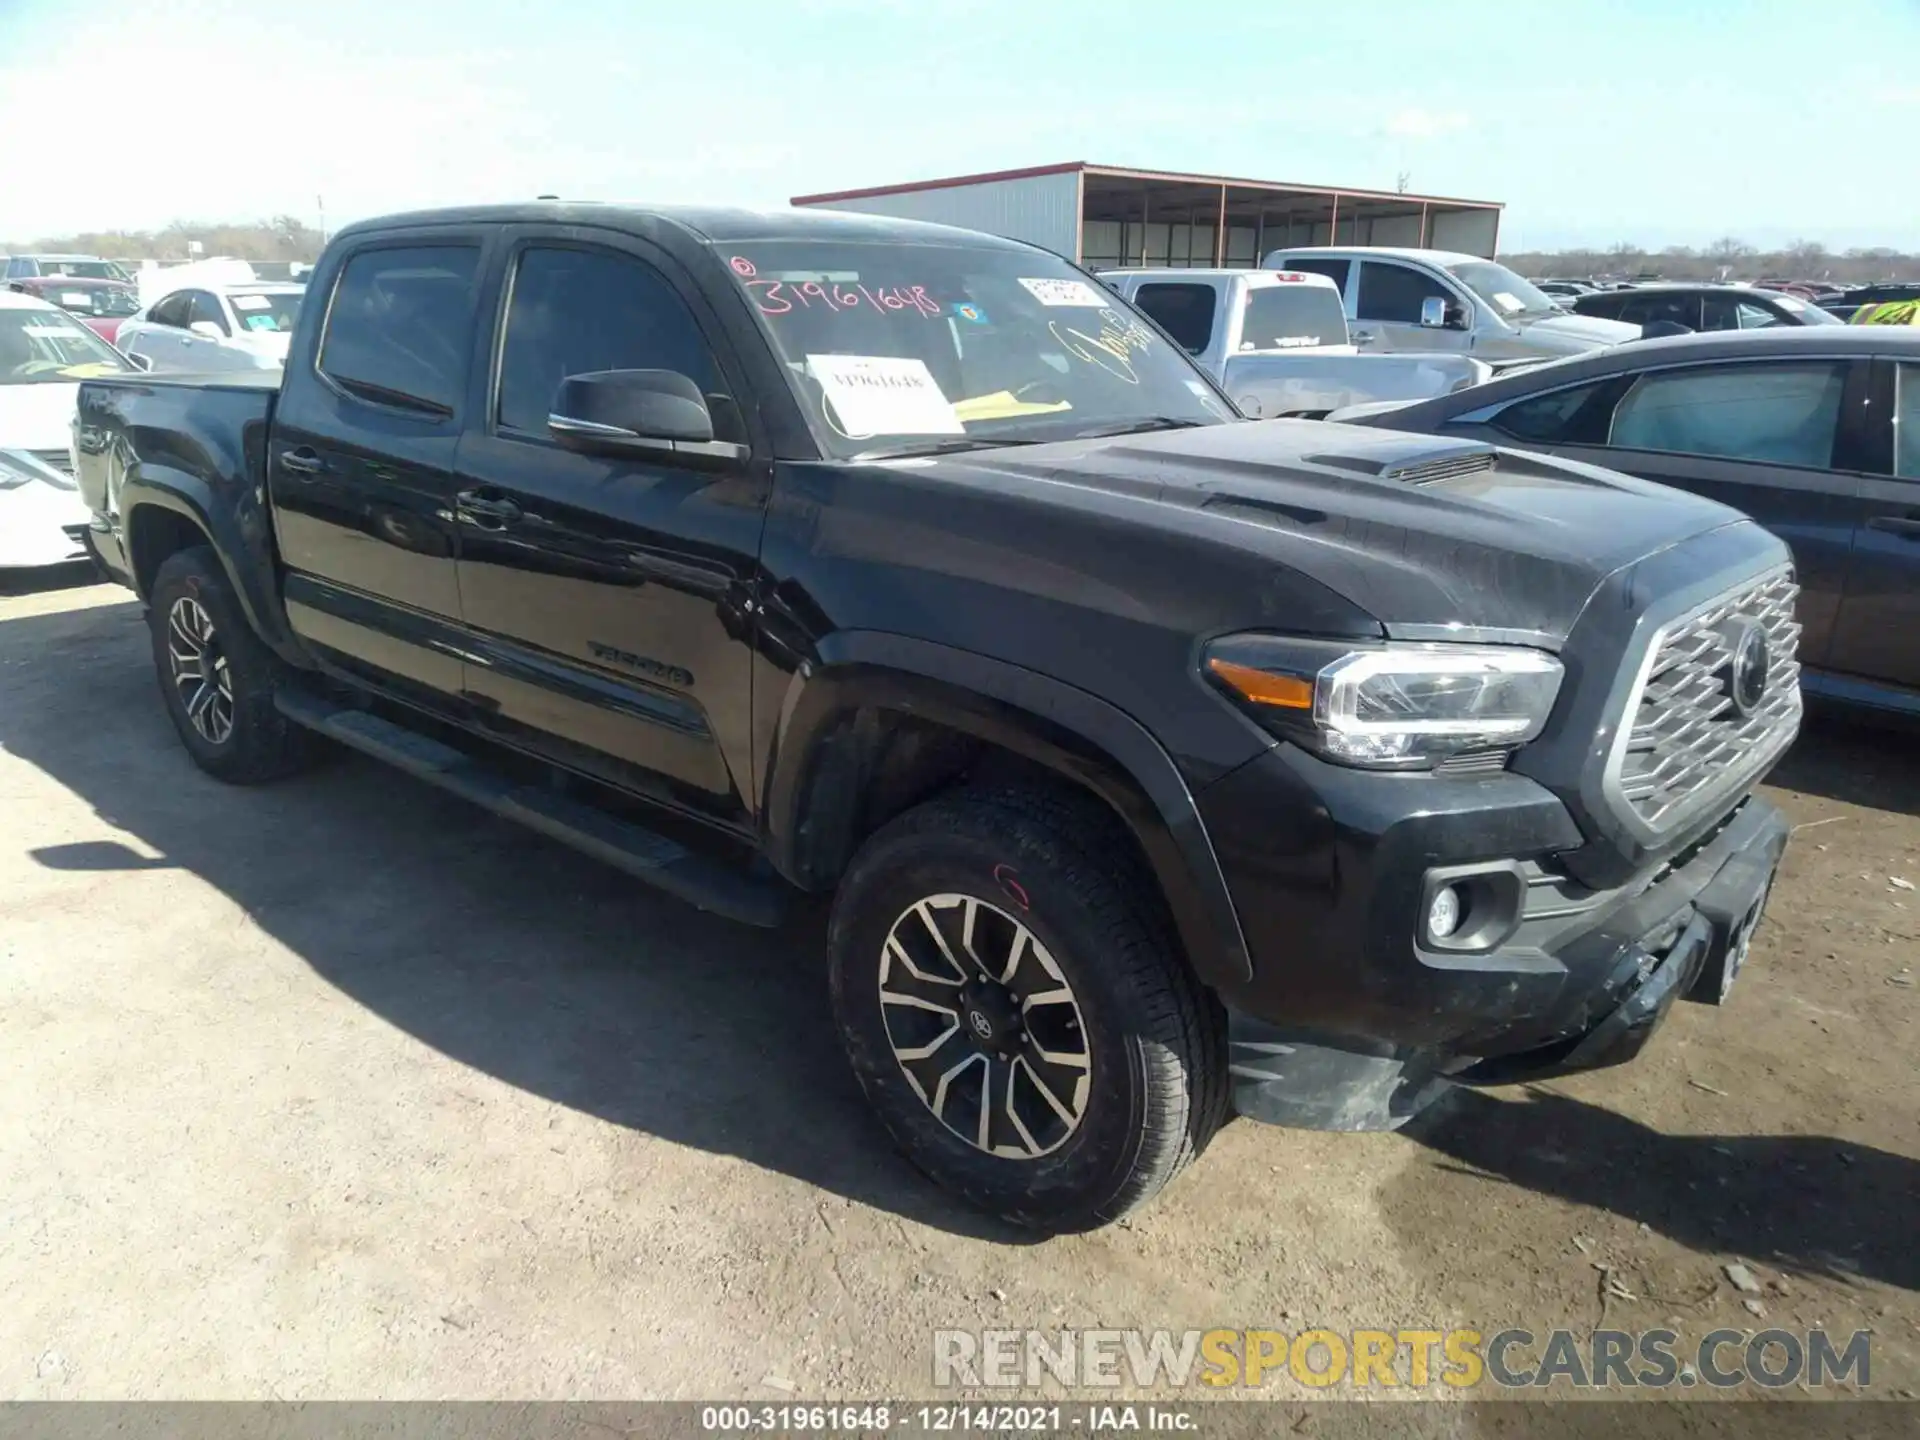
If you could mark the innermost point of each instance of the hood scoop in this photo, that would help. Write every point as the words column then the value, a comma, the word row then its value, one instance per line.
column 1445, row 467
column 1450, row 464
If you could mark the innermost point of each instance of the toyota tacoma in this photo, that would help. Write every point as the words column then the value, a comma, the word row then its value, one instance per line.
column 1160, row 764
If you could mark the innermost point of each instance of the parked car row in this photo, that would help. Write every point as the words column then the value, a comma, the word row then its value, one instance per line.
column 1813, row 431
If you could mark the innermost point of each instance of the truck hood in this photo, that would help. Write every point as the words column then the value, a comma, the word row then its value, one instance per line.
column 1434, row 538
column 1570, row 334
column 37, row 417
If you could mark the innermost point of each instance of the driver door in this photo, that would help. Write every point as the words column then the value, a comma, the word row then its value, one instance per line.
column 606, row 596
column 1387, row 308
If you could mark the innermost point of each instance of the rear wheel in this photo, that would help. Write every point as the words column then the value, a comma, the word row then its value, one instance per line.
column 1018, row 1013
column 218, row 678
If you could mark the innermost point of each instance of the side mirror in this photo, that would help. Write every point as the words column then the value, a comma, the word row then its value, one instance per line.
column 1433, row 313
column 141, row 363
column 656, row 413
column 207, row 330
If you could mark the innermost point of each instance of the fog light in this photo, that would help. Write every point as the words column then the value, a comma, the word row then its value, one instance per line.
column 1443, row 912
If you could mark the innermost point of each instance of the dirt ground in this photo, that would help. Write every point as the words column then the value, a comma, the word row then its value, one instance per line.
column 340, row 1088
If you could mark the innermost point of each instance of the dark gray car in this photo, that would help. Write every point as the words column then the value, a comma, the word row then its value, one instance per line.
column 1703, row 307
column 1815, row 432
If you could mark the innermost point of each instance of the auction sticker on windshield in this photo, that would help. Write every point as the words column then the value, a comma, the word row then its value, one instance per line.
column 1067, row 292
column 884, row 395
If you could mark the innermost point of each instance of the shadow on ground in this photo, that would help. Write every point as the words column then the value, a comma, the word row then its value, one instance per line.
column 1818, row 1205
column 498, row 948
column 1856, row 759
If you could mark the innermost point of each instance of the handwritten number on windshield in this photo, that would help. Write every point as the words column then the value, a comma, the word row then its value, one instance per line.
column 781, row 297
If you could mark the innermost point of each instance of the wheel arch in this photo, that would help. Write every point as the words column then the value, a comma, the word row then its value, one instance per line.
column 820, row 771
column 167, row 511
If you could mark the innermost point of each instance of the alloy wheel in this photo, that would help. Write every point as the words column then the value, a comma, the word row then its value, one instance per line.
column 985, row 1026
column 198, row 669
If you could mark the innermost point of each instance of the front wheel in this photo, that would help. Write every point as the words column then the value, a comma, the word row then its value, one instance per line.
column 1019, row 1015
column 218, row 678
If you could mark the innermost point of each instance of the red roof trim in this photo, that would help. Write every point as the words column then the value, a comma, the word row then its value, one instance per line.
column 1121, row 172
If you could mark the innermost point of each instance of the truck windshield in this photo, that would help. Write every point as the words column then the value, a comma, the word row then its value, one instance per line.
column 890, row 343
column 1293, row 314
column 1510, row 297
column 40, row 346
column 113, row 301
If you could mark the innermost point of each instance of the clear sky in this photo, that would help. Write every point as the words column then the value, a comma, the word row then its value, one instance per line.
column 1655, row 121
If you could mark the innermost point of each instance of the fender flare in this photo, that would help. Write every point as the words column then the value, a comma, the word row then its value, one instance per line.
column 240, row 536
column 1068, row 730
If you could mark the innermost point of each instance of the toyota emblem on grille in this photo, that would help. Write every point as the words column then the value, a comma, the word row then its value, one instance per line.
column 1746, row 673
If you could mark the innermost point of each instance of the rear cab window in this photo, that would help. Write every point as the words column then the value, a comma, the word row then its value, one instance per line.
column 1291, row 315
column 1185, row 311
column 399, row 327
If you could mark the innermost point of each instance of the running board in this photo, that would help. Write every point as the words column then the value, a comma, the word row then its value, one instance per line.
column 641, row 853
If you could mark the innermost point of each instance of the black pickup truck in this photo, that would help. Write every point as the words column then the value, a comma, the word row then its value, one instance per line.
column 1157, row 761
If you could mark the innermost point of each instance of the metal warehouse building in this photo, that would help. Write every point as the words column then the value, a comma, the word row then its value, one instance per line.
column 1104, row 215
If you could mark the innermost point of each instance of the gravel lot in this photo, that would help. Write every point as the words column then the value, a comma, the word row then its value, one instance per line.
column 341, row 1088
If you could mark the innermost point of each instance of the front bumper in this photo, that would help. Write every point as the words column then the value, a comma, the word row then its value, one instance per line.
column 1350, row 1022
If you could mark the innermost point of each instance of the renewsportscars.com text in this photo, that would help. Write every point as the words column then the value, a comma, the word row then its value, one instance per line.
column 1513, row 1359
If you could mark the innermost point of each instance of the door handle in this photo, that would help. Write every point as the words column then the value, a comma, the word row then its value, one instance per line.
column 302, row 462
column 1907, row 527
column 489, row 512
column 1363, row 337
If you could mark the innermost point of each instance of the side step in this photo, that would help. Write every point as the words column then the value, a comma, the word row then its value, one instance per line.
column 641, row 853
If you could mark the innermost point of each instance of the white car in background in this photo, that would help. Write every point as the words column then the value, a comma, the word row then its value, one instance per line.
column 210, row 328
column 44, row 355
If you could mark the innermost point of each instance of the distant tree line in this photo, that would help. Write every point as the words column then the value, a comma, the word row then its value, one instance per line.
column 1730, row 258
column 285, row 237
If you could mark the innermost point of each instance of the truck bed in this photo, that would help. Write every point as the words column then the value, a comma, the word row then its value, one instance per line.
column 199, row 442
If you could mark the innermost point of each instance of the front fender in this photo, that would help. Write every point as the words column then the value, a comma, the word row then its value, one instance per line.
column 1069, row 731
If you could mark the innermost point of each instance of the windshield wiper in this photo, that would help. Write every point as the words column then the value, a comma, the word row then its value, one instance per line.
column 941, row 447
column 1140, row 427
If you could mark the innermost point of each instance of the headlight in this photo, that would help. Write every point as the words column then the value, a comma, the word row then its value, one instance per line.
column 1398, row 707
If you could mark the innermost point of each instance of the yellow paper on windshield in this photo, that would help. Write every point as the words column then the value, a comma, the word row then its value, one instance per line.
column 92, row 370
column 1001, row 405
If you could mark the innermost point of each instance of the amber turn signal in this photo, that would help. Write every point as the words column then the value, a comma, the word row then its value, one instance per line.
column 1263, row 687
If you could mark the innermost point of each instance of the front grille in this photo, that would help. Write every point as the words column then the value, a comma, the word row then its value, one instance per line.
column 1450, row 467
column 61, row 460
column 1685, row 730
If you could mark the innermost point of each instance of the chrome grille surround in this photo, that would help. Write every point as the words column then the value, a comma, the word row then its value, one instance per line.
column 1682, row 743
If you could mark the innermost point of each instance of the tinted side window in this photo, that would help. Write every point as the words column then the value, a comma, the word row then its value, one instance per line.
column 401, row 325
column 1552, row 419
column 1393, row 292
column 1184, row 311
column 1603, row 307
column 1772, row 414
column 207, row 307
column 172, row 310
column 1334, row 270
column 577, row 311
column 1906, row 424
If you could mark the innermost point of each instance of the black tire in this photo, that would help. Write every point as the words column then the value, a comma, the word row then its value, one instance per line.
column 1154, row 1037
column 259, row 744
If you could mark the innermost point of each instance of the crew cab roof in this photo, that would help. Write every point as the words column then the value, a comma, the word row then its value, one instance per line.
column 704, row 223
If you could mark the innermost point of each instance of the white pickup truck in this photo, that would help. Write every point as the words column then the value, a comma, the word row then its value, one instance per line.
column 1276, row 340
